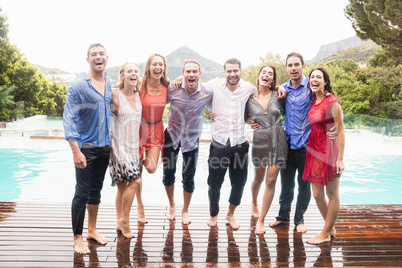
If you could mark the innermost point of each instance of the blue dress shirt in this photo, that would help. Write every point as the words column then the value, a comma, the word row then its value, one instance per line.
column 87, row 113
column 185, row 116
column 297, row 106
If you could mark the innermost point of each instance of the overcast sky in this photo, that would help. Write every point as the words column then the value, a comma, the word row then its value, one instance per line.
column 55, row 33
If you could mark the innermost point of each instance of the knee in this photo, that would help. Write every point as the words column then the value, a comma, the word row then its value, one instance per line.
column 318, row 195
column 188, row 186
column 332, row 194
column 270, row 184
column 151, row 168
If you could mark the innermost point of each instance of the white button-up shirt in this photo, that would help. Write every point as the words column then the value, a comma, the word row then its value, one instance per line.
column 229, row 109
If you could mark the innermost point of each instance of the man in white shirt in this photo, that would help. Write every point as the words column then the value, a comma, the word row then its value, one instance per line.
column 229, row 146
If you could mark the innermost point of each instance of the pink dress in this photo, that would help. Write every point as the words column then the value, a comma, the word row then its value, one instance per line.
column 321, row 155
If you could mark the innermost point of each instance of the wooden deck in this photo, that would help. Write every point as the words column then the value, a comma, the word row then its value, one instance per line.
column 39, row 235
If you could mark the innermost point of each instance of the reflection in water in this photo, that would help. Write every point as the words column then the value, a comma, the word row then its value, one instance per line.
column 299, row 253
column 325, row 258
column 254, row 258
column 233, row 248
column 140, row 258
column 282, row 246
column 186, row 246
column 167, row 253
column 212, row 250
column 93, row 256
column 123, row 251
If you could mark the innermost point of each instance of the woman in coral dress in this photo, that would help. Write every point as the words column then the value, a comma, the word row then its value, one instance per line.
column 124, row 163
column 153, row 94
column 324, row 157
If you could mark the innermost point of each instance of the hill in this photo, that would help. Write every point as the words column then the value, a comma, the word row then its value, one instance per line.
column 360, row 54
column 46, row 70
column 329, row 49
column 175, row 60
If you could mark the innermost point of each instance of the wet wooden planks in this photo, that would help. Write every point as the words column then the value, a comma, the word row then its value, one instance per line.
column 39, row 235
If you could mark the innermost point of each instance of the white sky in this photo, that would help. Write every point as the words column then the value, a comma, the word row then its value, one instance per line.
column 56, row 33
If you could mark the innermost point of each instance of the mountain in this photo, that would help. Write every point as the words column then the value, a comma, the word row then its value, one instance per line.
column 360, row 54
column 45, row 70
column 327, row 50
column 175, row 61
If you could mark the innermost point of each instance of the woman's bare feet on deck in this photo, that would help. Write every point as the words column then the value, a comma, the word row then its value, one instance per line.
column 333, row 232
column 141, row 215
column 79, row 245
column 172, row 213
column 97, row 237
column 125, row 229
column 254, row 211
column 319, row 239
column 185, row 219
column 260, row 228
column 232, row 222
column 213, row 221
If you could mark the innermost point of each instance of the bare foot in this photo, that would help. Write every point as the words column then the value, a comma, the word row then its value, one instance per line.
column 333, row 232
column 276, row 223
column 260, row 229
column 141, row 215
column 97, row 237
column 172, row 213
column 232, row 221
column 301, row 228
column 254, row 211
column 213, row 221
column 125, row 229
column 319, row 239
column 118, row 227
column 185, row 218
column 79, row 245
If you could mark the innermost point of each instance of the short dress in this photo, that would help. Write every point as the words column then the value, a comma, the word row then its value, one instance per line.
column 152, row 129
column 124, row 162
column 269, row 139
column 322, row 152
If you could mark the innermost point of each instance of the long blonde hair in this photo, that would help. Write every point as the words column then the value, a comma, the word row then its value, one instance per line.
column 147, row 73
column 123, row 68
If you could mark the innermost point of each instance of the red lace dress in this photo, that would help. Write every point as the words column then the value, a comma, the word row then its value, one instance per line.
column 151, row 128
column 321, row 155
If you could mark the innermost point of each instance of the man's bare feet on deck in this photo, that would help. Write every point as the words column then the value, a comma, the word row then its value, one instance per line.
column 254, row 211
column 172, row 213
column 319, row 239
column 276, row 223
column 232, row 222
column 79, row 245
column 185, row 219
column 260, row 228
column 213, row 221
column 301, row 228
column 97, row 237
column 125, row 229
column 141, row 215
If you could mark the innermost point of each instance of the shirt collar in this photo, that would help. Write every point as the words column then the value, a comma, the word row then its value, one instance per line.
column 303, row 83
column 183, row 86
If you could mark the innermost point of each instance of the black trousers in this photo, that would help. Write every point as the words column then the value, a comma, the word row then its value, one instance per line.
column 296, row 160
column 89, row 183
column 221, row 158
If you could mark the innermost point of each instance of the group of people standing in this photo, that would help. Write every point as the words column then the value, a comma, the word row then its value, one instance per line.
column 121, row 127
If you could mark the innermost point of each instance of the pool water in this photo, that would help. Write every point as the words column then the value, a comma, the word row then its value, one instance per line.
column 371, row 176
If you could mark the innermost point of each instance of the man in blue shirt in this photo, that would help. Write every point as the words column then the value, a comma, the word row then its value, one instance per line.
column 185, row 118
column 87, row 125
column 297, row 128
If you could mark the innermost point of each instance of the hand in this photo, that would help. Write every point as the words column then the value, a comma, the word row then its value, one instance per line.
column 282, row 93
column 79, row 160
column 177, row 82
column 254, row 125
column 213, row 116
column 339, row 166
column 333, row 133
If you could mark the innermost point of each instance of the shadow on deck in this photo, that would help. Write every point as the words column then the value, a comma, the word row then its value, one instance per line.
column 39, row 235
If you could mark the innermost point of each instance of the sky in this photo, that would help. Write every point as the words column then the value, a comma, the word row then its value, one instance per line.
column 57, row 33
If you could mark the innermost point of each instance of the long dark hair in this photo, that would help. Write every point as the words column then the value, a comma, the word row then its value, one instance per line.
column 327, row 87
column 273, row 84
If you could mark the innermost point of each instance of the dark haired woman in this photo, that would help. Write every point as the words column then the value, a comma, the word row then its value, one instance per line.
column 324, row 157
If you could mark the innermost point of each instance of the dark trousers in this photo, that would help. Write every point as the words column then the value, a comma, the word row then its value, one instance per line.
column 170, row 156
column 296, row 160
column 89, row 183
column 222, row 157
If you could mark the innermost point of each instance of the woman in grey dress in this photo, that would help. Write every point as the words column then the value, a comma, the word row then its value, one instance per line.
column 269, row 150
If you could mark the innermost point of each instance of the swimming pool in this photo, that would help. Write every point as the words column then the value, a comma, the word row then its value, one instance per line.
column 35, row 170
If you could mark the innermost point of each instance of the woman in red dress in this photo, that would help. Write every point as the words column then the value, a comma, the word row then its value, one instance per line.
column 153, row 95
column 324, row 157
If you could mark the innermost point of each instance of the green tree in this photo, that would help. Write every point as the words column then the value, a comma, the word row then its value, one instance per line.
column 380, row 21
column 6, row 100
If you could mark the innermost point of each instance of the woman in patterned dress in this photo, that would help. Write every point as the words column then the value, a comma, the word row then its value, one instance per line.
column 124, row 164
column 324, row 156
